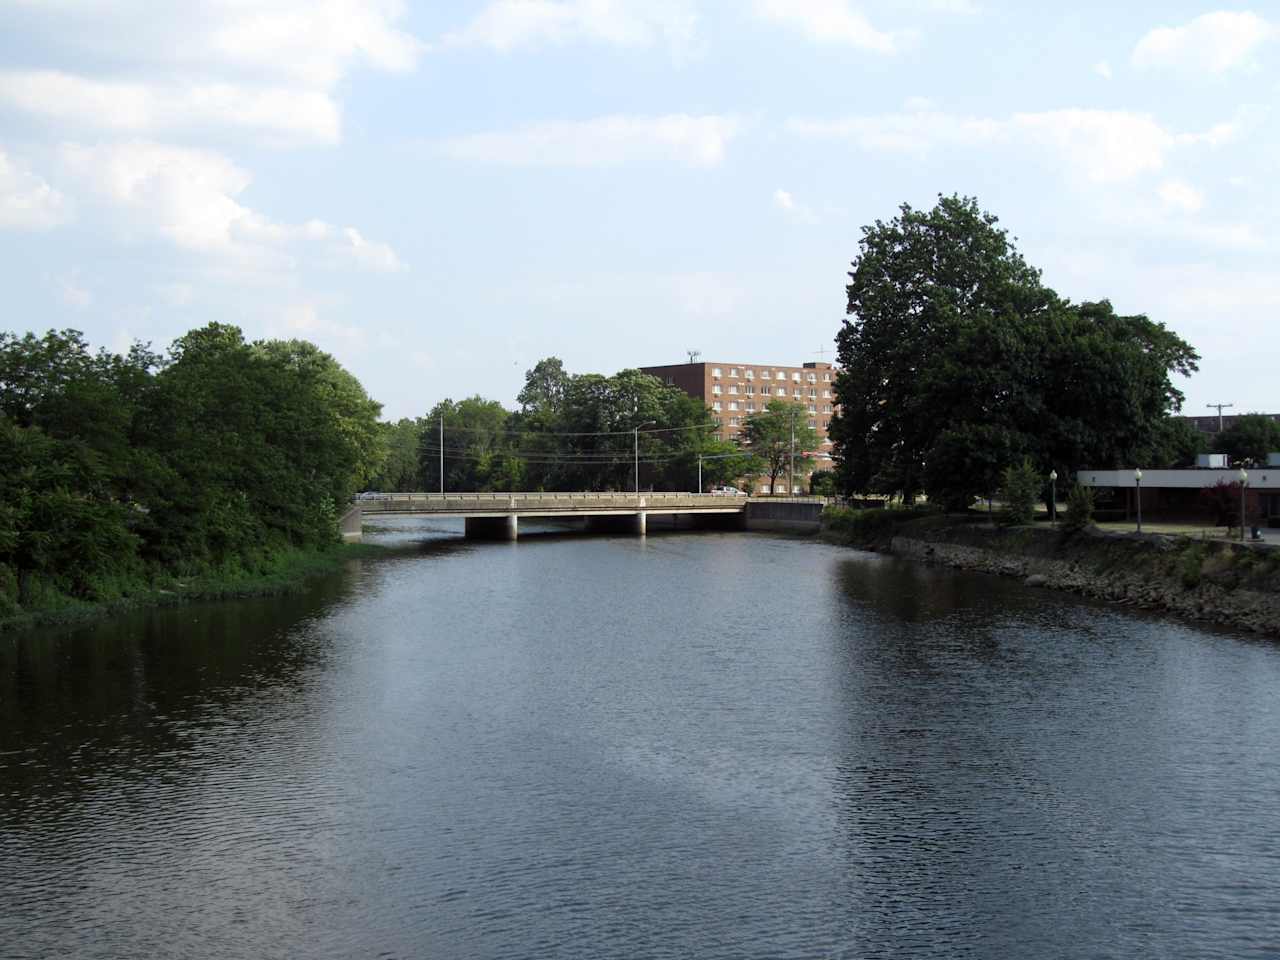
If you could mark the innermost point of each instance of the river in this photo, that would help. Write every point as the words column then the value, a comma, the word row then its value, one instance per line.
column 695, row 745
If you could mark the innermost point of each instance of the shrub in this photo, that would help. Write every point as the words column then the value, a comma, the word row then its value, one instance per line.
column 1190, row 566
column 1019, row 490
column 1079, row 512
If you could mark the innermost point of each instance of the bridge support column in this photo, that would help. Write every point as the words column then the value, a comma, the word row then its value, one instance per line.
column 641, row 524
column 492, row 528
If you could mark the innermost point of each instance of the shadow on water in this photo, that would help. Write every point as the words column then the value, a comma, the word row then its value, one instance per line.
column 77, row 702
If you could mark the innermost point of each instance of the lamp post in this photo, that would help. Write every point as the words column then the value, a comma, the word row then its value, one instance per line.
column 699, row 473
column 636, row 431
column 1244, row 482
column 1137, row 482
column 1053, row 496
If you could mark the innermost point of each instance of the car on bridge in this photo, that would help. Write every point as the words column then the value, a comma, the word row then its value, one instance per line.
column 726, row 492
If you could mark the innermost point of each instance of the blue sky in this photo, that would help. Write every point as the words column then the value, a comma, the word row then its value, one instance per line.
column 440, row 194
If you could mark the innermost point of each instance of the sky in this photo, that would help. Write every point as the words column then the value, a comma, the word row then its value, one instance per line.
column 440, row 194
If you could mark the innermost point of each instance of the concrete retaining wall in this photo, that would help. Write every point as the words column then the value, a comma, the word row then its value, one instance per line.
column 803, row 516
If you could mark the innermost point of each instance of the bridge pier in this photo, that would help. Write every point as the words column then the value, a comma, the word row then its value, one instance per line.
column 492, row 528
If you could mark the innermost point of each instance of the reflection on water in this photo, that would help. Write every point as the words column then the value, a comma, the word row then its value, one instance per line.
column 707, row 744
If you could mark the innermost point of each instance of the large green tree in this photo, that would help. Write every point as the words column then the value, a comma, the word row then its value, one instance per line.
column 780, row 438
column 1250, row 438
column 957, row 362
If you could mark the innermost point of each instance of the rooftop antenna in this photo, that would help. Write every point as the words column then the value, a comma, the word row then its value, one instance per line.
column 1219, row 407
column 694, row 355
column 822, row 354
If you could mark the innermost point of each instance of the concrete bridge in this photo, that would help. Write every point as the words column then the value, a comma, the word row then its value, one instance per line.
column 496, row 516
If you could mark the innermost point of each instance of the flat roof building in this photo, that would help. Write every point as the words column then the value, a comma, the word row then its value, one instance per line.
column 734, row 391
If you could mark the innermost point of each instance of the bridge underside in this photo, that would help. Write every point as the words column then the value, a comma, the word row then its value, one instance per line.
column 493, row 525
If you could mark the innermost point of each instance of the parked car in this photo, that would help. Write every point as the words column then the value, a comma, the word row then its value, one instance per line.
column 727, row 492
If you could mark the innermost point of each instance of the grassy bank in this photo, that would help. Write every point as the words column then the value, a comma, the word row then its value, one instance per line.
column 1221, row 581
column 280, row 573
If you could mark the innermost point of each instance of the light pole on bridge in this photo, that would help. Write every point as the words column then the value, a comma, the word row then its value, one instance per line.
column 636, row 432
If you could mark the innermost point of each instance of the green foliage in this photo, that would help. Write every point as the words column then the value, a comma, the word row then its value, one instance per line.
column 1080, row 506
column 822, row 483
column 780, row 435
column 121, row 469
column 1019, row 489
column 1190, row 566
column 577, row 432
column 401, row 469
column 1222, row 500
column 1249, row 439
column 869, row 526
column 957, row 361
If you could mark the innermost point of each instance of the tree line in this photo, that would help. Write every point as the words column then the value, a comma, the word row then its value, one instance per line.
column 585, row 432
column 958, row 362
column 216, row 458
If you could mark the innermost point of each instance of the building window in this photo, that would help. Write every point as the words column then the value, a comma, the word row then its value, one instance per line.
column 750, row 407
column 813, row 378
column 826, row 378
column 733, row 388
column 716, row 406
column 795, row 377
column 750, row 374
column 826, row 394
column 797, row 392
column 715, row 389
column 751, row 390
column 733, row 371
column 715, row 371
column 813, row 424
column 826, row 408
column 813, row 408
column 764, row 488
column 733, row 421
column 733, row 404
column 764, row 374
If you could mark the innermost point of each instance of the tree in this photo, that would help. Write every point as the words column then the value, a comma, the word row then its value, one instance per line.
column 1250, row 438
column 401, row 470
column 958, row 362
column 1019, row 488
column 779, row 434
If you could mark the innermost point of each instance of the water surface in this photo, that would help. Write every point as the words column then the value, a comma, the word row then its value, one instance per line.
column 692, row 745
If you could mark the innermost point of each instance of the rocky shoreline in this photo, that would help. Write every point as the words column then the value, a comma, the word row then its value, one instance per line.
column 1214, row 581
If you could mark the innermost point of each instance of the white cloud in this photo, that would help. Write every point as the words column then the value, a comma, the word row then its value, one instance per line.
column 266, row 67
column 605, row 141
column 1100, row 146
column 374, row 256
column 507, row 24
column 304, row 320
column 71, row 292
column 1180, row 196
column 173, row 294
column 916, row 132
column 1103, row 69
column 189, row 198
column 1213, row 42
column 27, row 202
column 141, row 108
column 1105, row 145
column 786, row 202
column 833, row 22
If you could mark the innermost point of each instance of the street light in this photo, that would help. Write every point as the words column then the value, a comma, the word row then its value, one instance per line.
column 649, row 423
column 1244, row 482
column 1137, row 482
column 1053, row 496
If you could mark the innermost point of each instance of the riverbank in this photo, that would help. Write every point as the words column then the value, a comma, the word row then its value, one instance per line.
column 1219, row 582
column 285, row 573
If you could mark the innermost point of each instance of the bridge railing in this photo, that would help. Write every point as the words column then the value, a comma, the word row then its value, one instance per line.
column 567, row 502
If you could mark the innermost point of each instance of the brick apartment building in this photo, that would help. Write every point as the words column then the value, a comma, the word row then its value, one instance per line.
column 734, row 391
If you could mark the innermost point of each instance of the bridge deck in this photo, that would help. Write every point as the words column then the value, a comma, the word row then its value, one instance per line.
column 545, row 504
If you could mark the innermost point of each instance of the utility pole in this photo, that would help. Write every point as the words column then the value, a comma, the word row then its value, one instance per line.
column 791, row 486
column 699, row 473
column 1219, row 407
column 442, row 454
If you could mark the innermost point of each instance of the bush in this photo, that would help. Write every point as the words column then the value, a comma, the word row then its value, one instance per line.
column 1190, row 567
column 1079, row 512
column 1019, row 490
